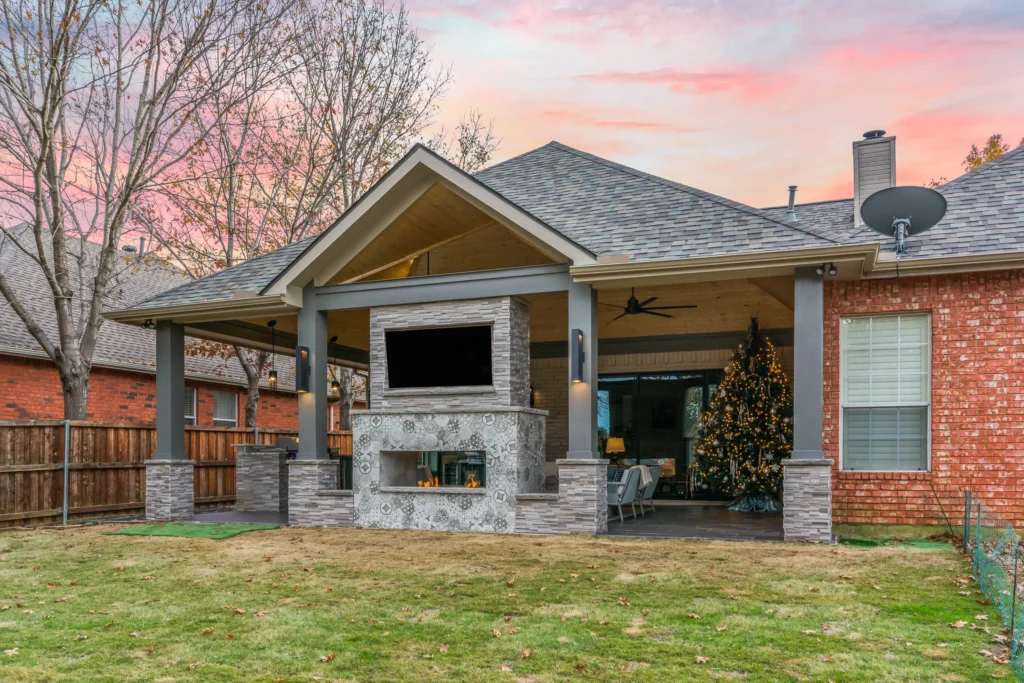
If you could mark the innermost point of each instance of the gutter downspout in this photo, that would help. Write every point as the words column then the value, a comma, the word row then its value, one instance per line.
column 67, row 458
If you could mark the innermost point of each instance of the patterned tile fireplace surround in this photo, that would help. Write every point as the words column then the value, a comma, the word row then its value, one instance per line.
column 493, row 425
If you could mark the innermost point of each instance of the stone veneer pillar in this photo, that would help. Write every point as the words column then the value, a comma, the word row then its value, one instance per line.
column 169, row 490
column 579, row 507
column 807, row 500
column 261, row 478
column 314, row 498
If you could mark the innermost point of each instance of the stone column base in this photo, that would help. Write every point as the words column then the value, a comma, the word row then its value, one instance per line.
column 807, row 500
column 314, row 498
column 579, row 507
column 261, row 478
column 169, row 490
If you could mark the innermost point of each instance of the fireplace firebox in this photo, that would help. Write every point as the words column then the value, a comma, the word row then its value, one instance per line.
column 433, row 469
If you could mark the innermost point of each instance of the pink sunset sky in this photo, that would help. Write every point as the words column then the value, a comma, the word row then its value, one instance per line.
column 738, row 97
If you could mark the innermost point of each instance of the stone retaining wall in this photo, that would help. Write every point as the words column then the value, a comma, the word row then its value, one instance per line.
column 261, row 478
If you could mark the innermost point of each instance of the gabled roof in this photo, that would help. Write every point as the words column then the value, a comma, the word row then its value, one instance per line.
column 613, row 209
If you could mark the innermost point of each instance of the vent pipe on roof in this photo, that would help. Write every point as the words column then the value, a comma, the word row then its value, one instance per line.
column 791, row 213
column 142, row 247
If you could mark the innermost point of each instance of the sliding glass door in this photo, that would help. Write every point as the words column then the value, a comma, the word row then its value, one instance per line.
column 654, row 419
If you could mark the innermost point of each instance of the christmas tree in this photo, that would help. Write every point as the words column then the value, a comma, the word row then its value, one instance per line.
column 748, row 428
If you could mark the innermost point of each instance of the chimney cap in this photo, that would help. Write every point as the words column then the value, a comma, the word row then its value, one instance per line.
column 872, row 134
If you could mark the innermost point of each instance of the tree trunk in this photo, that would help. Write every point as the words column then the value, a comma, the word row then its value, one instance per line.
column 252, row 401
column 76, row 395
column 253, row 367
column 345, row 400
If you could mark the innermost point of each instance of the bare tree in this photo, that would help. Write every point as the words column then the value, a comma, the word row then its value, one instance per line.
column 356, row 88
column 94, row 98
column 471, row 145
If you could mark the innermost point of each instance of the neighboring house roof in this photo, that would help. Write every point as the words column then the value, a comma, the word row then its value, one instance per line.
column 118, row 346
column 612, row 209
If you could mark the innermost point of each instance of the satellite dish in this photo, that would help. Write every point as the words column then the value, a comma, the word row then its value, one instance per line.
column 902, row 211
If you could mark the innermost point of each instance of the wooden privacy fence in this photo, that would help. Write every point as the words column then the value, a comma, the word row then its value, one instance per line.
column 107, row 471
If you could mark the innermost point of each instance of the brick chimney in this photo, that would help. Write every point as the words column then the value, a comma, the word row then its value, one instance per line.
column 874, row 167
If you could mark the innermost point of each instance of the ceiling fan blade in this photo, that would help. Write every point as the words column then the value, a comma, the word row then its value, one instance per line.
column 663, row 308
column 651, row 300
column 650, row 312
column 620, row 315
column 618, row 306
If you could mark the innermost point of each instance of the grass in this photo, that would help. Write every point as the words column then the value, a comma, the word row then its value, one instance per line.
column 217, row 532
column 361, row 605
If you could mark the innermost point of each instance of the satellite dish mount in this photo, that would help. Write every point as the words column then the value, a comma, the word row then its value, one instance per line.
column 890, row 212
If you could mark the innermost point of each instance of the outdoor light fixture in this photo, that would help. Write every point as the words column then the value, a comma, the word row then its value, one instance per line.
column 829, row 267
column 577, row 356
column 148, row 324
column 335, row 384
column 302, row 368
column 272, row 375
column 832, row 269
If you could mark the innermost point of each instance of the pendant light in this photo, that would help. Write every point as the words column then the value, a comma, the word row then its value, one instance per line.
column 272, row 375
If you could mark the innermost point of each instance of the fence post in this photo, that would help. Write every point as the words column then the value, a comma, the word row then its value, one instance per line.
column 977, row 543
column 1013, row 595
column 67, row 458
column 967, row 520
column 256, row 435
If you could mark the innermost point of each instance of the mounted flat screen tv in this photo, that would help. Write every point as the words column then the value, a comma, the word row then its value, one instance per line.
column 439, row 357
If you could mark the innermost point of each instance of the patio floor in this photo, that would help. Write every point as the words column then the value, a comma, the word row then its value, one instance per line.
column 703, row 522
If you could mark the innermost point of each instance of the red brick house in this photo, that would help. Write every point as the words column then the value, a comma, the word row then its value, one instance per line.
column 122, row 382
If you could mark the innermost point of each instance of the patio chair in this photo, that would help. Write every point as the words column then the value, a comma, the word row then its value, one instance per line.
column 647, row 495
column 624, row 492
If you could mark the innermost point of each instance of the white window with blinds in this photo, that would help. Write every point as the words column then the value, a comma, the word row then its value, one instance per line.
column 190, row 406
column 225, row 409
column 885, row 373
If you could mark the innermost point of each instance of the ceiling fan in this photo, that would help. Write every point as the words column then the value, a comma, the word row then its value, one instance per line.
column 633, row 307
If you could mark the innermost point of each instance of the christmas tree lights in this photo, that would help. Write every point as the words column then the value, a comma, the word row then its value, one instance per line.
column 748, row 428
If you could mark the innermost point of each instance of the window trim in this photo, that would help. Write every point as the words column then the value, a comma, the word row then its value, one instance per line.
column 218, row 423
column 928, row 389
column 191, row 391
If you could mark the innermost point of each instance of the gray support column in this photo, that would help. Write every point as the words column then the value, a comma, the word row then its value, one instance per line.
column 583, row 394
column 170, row 391
column 808, row 361
column 313, row 403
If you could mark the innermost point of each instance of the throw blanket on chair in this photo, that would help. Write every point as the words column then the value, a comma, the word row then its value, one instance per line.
column 645, row 475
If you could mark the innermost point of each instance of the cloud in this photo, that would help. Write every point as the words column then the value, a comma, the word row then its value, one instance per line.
column 584, row 117
column 749, row 84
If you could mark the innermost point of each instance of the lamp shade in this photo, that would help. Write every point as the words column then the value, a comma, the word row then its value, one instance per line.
column 616, row 444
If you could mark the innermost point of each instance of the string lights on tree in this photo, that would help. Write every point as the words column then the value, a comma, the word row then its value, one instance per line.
column 748, row 428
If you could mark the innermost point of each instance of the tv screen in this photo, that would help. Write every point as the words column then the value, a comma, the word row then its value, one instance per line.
column 439, row 357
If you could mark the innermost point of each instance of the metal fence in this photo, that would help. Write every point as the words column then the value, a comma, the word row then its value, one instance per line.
column 996, row 560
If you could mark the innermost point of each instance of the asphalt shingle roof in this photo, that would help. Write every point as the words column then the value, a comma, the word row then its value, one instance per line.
column 613, row 209
column 117, row 345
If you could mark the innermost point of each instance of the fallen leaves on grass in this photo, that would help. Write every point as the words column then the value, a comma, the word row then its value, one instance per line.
column 207, row 631
column 444, row 648
column 497, row 633
column 624, row 602
column 701, row 660
column 694, row 616
column 958, row 624
column 721, row 627
column 11, row 653
column 527, row 653
column 328, row 657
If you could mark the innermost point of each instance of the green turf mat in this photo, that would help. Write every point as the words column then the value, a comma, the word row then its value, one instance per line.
column 193, row 530
column 905, row 542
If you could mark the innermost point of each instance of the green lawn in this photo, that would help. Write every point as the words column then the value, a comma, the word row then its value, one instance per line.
column 353, row 605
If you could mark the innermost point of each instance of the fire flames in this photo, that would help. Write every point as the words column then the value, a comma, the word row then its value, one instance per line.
column 472, row 482
column 429, row 483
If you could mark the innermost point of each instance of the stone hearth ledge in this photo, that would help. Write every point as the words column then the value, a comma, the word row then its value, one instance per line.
column 457, row 490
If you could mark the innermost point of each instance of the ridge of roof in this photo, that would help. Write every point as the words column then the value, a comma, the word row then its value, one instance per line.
column 986, row 167
column 517, row 157
column 671, row 184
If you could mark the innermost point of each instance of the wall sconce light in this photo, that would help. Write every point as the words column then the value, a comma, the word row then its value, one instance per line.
column 272, row 375
column 533, row 397
column 148, row 324
column 302, row 369
column 831, row 268
column 576, row 356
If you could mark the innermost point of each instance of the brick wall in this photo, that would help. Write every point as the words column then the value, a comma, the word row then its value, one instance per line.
column 977, row 396
column 30, row 390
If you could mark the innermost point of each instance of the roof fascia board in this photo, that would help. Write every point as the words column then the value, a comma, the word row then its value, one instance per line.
column 259, row 338
column 945, row 265
column 249, row 307
column 731, row 266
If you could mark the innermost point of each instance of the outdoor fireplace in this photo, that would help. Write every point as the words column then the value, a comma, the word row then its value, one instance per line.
column 450, row 440
column 433, row 469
